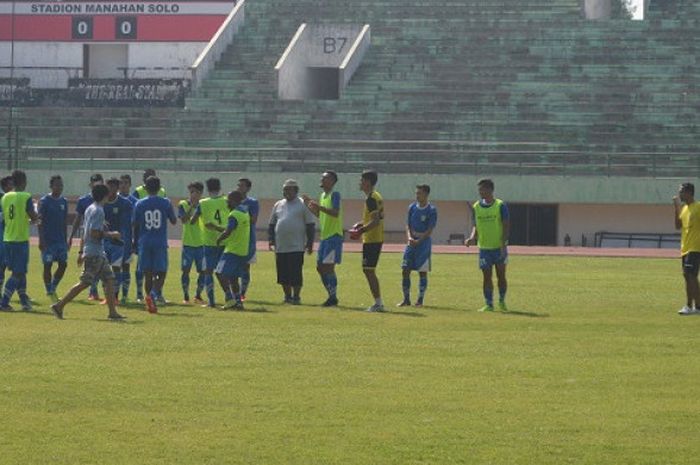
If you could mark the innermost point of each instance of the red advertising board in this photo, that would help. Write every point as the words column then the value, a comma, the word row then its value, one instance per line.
column 115, row 21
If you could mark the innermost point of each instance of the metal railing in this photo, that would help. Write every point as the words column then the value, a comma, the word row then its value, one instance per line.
column 472, row 160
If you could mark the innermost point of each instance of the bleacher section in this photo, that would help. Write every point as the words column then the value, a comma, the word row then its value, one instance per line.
column 498, row 86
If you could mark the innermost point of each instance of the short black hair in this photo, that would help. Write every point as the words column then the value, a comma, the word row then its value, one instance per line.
column 6, row 183
column 125, row 177
column 688, row 187
column 236, row 195
column 152, row 185
column 198, row 186
column 19, row 178
column 97, row 177
column 113, row 181
column 424, row 187
column 371, row 176
column 246, row 181
column 99, row 192
column 332, row 174
column 213, row 185
column 487, row 183
column 147, row 173
column 54, row 178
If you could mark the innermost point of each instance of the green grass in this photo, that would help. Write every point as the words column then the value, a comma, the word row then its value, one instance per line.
column 593, row 366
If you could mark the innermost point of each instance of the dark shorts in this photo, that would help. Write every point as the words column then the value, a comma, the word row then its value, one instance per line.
column 370, row 254
column 290, row 268
column 691, row 263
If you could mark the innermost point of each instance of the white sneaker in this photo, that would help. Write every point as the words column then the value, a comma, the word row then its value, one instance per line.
column 688, row 311
column 376, row 308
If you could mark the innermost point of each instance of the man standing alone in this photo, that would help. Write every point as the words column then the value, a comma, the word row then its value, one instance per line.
column 687, row 219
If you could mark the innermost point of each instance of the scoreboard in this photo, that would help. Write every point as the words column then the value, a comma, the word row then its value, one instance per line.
column 112, row 21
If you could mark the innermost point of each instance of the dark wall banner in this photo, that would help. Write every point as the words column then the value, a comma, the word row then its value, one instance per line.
column 125, row 20
column 97, row 93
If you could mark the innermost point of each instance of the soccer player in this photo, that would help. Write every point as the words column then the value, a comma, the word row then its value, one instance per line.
column 211, row 213
column 253, row 206
column 291, row 231
column 490, row 232
column 422, row 218
column 330, row 249
column 372, row 229
column 83, row 203
column 192, row 245
column 141, row 193
column 236, row 240
column 125, row 192
column 151, row 215
column 687, row 220
column 92, row 256
column 6, row 186
column 118, row 212
column 53, row 232
column 18, row 210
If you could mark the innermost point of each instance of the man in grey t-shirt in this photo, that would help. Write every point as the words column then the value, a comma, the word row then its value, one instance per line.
column 92, row 256
column 291, row 231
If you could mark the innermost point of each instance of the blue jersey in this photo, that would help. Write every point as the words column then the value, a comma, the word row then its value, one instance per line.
column 83, row 203
column 252, row 206
column 54, row 213
column 127, row 233
column 130, row 198
column 421, row 219
column 151, row 216
column 118, row 215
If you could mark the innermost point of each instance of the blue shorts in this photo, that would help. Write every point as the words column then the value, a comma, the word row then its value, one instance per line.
column 417, row 258
column 231, row 265
column 2, row 255
column 330, row 251
column 212, row 255
column 192, row 255
column 128, row 252
column 17, row 256
column 57, row 252
column 153, row 259
column 491, row 257
column 114, row 253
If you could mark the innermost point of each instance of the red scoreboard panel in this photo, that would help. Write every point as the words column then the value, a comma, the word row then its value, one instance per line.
column 115, row 21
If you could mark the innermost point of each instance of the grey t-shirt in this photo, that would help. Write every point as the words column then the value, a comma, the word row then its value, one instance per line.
column 94, row 219
column 290, row 219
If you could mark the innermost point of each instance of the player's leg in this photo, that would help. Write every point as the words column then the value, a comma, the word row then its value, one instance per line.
column 423, row 263
column 11, row 283
column 21, row 270
column 329, row 254
column 126, row 281
column 370, row 259
column 296, row 276
column 58, row 276
column 87, row 277
column 138, row 275
column 487, row 288
column 502, row 286
column 691, row 265
column 159, row 292
column 47, row 277
column 160, row 270
column 245, row 278
column 210, row 261
column 224, row 280
column 405, row 286
column 186, row 260
column 107, row 276
column 281, row 265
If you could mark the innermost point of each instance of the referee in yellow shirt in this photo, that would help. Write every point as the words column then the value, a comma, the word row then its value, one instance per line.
column 687, row 219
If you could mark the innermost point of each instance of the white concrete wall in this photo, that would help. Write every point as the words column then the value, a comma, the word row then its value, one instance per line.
column 34, row 54
column 70, row 54
column 164, row 54
column 589, row 218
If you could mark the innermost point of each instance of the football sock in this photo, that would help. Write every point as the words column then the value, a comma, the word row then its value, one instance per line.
column 22, row 289
column 209, row 286
column 422, row 286
column 54, row 285
column 48, row 287
column 185, row 281
column 10, row 287
column 126, row 283
column 332, row 284
column 93, row 288
column 406, row 286
column 139, row 283
column 228, row 295
column 502, row 293
column 245, row 282
column 488, row 296
column 200, row 286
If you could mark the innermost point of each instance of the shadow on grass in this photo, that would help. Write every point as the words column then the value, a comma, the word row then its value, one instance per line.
column 524, row 313
column 125, row 321
column 386, row 312
column 33, row 311
column 178, row 315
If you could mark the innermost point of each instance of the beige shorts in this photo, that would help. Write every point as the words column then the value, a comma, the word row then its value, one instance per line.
column 96, row 267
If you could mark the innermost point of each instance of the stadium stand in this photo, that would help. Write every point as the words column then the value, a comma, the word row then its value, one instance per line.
column 504, row 86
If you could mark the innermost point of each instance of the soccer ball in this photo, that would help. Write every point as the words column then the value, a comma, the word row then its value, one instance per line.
column 355, row 231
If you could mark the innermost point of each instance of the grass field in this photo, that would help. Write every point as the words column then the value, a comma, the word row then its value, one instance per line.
column 592, row 366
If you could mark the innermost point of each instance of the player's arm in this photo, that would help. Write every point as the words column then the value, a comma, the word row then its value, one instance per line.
column 253, row 212
column 196, row 215
column 335, row 211
column 431, row 225
column 677, row 212
column 232, row 224
column 310, row 234
column 171, row 214
column 40, row 226
column 473, row 236
column 375, row 215
column 31, row 211
column 185, row 215
column 271, row 228
column 505, row 219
